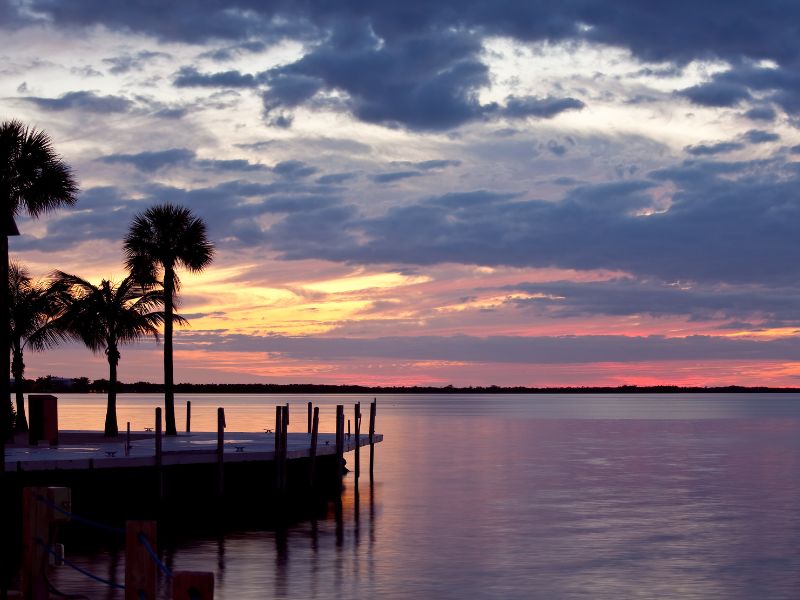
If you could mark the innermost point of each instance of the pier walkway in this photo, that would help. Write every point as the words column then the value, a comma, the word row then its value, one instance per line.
column 84, row 450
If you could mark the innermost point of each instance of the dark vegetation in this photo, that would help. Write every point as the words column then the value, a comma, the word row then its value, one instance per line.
column 52, row 384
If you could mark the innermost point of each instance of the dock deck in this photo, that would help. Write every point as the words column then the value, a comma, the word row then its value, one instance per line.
column 85, row 450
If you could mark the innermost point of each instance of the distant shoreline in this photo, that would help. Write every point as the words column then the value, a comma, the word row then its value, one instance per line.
column 100, row 386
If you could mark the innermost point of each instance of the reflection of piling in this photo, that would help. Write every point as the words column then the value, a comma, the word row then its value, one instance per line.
column 159, row 456
column 220, row 452
column 194, row 585
column 313, row 451
column 339, row 442
column 373, row 407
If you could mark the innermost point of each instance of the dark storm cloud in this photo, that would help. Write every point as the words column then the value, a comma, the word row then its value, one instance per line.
column 336, row 178
column 626, row 297
column 85, row 101
column 151, row 162
column 758, row 136
column 396, row 176
column 504, row 349
column 419, row 64
column 129, row 62
column 191, row 77
column 540, row 108
column 712, row 149
column 727, row 222
column 294, row 169
column 761, row 113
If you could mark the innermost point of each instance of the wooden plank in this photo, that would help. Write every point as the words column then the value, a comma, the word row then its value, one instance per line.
column 373, row 409
column 35, row 536
column 140, row 569
column 357, row 417
column 159, row 456
column 220, row 452
column 313, row 449
column 192, row 585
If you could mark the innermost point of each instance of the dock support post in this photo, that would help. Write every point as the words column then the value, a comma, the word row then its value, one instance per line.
column 188, row 416
column 278, row 442
column 339, row 442
column 128, row 440
column 140, row 569
column 284, row 447
column 373, row 409
column 192, row 585
column 35, row 536
column 159, row 456
column 309, row 417
column 313, row 452
column 357, row 417
column 220, row 452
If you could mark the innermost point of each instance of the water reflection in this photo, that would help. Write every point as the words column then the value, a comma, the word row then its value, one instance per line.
column 505, row 503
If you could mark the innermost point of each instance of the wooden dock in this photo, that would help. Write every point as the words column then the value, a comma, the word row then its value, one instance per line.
column 85, row 450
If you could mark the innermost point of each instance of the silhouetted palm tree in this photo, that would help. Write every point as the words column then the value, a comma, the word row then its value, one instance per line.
column 33, row 179
column 105, row 316
column 163, row 238
column 33, row 306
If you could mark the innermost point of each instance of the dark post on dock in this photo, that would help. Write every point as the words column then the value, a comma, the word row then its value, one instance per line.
column 192, row 585
column 373, row 408
column 313, row 450
column 357, row 417
column 159, row 456
column 309, row 417
column 188, row 416
column 140, row 569
column 220, row 452
column 339, row 441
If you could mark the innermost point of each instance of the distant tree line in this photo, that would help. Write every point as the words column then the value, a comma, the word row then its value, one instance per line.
column 51, row 384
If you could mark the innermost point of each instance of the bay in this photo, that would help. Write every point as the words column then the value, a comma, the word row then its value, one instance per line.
column 515, row 496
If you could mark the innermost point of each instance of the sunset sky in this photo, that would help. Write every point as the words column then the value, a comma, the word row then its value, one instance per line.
column 467, row 192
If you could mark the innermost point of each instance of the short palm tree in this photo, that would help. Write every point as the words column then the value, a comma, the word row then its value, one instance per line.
column 161, row 239
column 33, row 307
column 34, row 180
column 104, row 317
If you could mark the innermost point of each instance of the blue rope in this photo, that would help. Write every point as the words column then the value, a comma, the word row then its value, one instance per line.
column 84, row 520
column 144, row 542
column 79, row 569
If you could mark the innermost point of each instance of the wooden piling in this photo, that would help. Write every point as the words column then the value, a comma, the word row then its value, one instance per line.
column 35, row 536
column 373, row 409
column 309, row 417
column 192, row 585
column 128, row 440
column 278, row 442
column 339, row 441
column 357, row 417
column 220, row 452
column 313, row 451
column 140, row 569
column 284, row 447
column 188, row 416
column 159, row 456
column 348, row 429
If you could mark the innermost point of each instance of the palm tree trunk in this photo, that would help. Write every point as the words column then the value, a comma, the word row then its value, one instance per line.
column 169, row 393
column 111, row 429
column 18, row 368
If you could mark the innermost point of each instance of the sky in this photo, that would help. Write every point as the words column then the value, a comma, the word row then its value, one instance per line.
column 514, row 192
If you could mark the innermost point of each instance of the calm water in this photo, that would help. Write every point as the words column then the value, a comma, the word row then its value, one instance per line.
column 503, row 497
